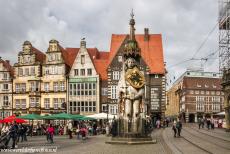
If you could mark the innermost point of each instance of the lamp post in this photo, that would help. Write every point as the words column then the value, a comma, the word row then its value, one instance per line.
column 107, row 107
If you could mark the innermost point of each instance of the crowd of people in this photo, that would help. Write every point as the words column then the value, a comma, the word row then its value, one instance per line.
column 210, row 123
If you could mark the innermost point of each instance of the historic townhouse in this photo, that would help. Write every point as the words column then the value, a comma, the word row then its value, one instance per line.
column 27, row 80
column 84, row 80
column 54, row 80
column 199, row 94
column 152, row 67
column 6, row 83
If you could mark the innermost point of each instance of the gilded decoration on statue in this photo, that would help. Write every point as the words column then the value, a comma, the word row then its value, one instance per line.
column 135, row 78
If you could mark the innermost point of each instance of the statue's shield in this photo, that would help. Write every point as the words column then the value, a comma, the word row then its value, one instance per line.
column 135, row 78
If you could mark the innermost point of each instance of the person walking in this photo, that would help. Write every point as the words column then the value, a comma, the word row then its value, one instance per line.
column 208, row 123
column 199, row 122
column 70, row 129
column 202, row 122
column 13, row 134
column 178, row 127
column 174, row 128
column 51, row 133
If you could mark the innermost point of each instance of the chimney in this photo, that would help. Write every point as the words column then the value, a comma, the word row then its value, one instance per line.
column 146, row 35
column 83, row 43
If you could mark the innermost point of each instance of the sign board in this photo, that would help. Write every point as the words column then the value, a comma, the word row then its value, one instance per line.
column 154, row 99
column 90, row 79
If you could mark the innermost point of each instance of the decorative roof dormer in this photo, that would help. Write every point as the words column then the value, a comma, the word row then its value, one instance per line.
column 27, row 46
column 53, row 46
column 131, row 47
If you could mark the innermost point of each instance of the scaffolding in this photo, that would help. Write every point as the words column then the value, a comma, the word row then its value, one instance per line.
column 224, row 35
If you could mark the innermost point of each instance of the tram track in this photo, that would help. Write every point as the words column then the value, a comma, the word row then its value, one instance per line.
column 211, row 139
column 203, row 131
column 183, row 145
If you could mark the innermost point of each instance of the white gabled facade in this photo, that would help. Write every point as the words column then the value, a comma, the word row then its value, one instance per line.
column 6, row 94
column 83, row 85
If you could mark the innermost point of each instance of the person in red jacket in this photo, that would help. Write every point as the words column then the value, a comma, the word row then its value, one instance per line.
column 51, row 133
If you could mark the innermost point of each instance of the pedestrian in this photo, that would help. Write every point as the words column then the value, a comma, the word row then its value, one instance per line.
column 199, row 122
column 70, row 129
column 158, row 123
column 94, row 128
column 24, row 132
column 178, row 127
column 107, row 129
column 208, row 123
column 20, row 132
column 13, row 134
column 212, row 123
column 78, row 132
column 167, row 122
column 174, row 128
column 51, row 133
column 202, row 122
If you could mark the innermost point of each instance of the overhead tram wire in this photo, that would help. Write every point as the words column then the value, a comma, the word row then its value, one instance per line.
column 205, row 40
column 202, row 44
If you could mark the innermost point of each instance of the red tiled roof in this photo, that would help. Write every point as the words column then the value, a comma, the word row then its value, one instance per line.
column 72, row 53
column 103, row 55
column 7, row 65
column 193, row 82
column 101, row 65
column 151, row 50
column 39, row 56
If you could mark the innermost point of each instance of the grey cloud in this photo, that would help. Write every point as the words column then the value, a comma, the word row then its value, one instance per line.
column 183, row 24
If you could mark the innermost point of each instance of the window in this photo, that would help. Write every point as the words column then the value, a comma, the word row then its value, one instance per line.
column 206, row 86
column 32, row 86
column 6, row 101
column 82, row 59
column 5, row 87
column 78, row 89
column 23, row 87
column 86, row 89
column 104, row 91
column 46, row 103
column 20, row 72
column 200, row 106
column 23, row 103
column 191, row 92
column 17, row 87
column 27, row 71
column 202, row 92
column 114, row 92
column 119, row 58
column 94, row 88
column 76, row 72
column 46, row 86
column 32, row 102
column 214, row 86
column 89, row 71
column 17, row 104
column 216, row 107
column 207, row 92
column 32, row 71
column 196, row 92
column 56, row 56
column 82, row 88
column 82, row 72
column 156, row 76
column 47, row 70
column 116, row 75
column 62, row 86
column 70, row 89
column 198, row 85
column 217, row 93
column 212, row 92
column 200, row 98
column 113, row 109
column 5, row 76
column 62, row 100
column 55, row 103
column 55, row 86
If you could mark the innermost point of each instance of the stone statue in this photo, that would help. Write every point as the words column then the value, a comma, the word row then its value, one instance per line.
column 131, row 90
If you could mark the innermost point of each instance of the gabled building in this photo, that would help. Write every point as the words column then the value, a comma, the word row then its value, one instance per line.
column 27, row 80
column 152, row 66
column 6, row 90
column 84, row 79
column 55, row 68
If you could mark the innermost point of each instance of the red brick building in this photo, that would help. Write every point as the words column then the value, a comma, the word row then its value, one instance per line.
column 199, row 95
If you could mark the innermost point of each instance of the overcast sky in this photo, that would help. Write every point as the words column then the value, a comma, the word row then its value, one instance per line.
column 184, row 25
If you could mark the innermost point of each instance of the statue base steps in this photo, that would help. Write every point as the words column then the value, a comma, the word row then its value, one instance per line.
column 131, row 140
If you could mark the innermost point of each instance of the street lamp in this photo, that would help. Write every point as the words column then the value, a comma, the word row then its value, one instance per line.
column 107, row 107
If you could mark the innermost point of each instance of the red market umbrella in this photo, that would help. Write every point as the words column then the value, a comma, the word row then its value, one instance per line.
column 12, row 119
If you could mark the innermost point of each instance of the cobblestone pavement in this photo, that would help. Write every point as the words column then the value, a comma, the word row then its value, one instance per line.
column 193, row 141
